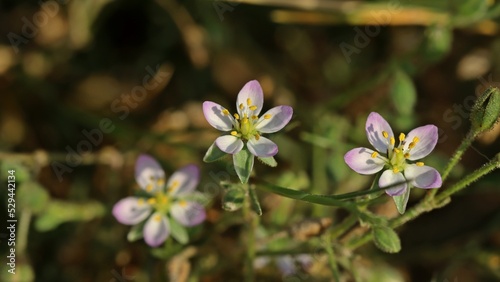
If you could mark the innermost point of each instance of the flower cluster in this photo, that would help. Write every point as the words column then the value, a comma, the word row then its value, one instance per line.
column 166, row 200
column 400, row 162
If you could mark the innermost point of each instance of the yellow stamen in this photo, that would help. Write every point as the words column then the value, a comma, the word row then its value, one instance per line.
column 411, row 145
column 140, row 202
column 420, row 163
column 160, row 182
column 234, row 133
column 395, row 170
column 164, row 200
column 149, row 187
column 253, row 108
column 236, row 116
column 241, row 107
column 257, row 137
column 396, row 150
column 415, row 140
column 406, row 155
column 249, row 101
column 393, row 141
column 385, row 134
column 151, row 201
column 183, row 203
column 374, row 154
column 157, row 218
column 244, row 120
column 267, row 116
column 225, row 112
column 402, row 137
column 254, row 117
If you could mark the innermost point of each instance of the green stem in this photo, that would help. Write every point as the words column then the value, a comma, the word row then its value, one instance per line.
column 22, row 233
column 331, row 258
column 251, row 222
column 347, row 224
column 458, row 154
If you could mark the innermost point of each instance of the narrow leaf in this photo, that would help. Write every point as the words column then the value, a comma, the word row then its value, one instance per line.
column 178, row 232
column 386, row 239
column 402, row 200
column 254, row 201
column 213, row 154
column 243, row 164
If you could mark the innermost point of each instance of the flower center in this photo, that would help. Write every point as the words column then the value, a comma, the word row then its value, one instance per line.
column 245, row 126
column 397, row 156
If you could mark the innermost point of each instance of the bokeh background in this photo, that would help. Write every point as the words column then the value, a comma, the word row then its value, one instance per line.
column 133, row 74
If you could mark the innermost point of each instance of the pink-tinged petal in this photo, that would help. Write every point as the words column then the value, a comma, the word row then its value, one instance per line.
column 131, row 210
column 184, row 180
column 149, row 174
column 389, row 178
column 274, row 119
column 428, row 137
column 229, row 144
column 423, row 176
column 375, row 125
column 360, row 160
column 252, row 91
column 156, row 230
column 188, row 213
column 262, row 147
column 218, row 116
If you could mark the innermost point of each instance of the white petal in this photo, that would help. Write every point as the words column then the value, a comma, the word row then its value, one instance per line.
column 131, row 210
column 423, row 176
column 389, row 178
column 156, row 230
column 274, row 119
column 188, row 213
column 184, row 180
column 214, row 114
column 428, row 137
column 252, row 91
column 360, row 160
column 262, row 147
column 149, row 174
column 229, row 144
column 375, row 125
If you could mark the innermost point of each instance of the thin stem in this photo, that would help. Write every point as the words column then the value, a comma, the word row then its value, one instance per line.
column 458, row 154
column 251, row 222
column 347, row 224
column 331, row 258
column 22, row 235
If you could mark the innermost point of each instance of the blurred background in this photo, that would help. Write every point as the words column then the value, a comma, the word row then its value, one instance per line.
column 88, row 85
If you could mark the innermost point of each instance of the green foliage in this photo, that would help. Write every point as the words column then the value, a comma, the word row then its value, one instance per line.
column 33, row 196
column 57, row 212
column 21, row 171
column 386, row 239
column 403, row 93
column 402, row 200
column 178, row 231
column 486, row 111
column 254, row 201
column 243, row 164
column 270, row 161
column 233, row 198
column 213, row 154
column 135, row 232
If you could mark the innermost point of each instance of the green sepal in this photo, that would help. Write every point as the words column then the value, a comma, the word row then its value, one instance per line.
column 270, row 161
column 402, row 200
column 135, row 232
column 233, row 198
column 243, row 164
column 486, row 110
column 213, row 154
column 254, row 201
column 178, row 231
column 386, row 239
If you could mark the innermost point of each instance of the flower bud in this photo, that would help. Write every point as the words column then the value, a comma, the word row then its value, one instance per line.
column 486, row 110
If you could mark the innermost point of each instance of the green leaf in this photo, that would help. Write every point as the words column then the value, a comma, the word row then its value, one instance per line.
column 386, row 239
column 254, row 201
column 31, row 195
column 233, row 198
column 403, row 93
column 135, row 232
column 243, row 164
column 402, row 200
column 21, row 172
column 438, row 41
column 23, row 271
column 270, row 161
column 57, row 212
column 213, row 154
column 178, row 232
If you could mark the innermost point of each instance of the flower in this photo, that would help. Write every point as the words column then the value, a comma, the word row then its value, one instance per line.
column 164, row 201
column 398, row 162
column 287, row 264
column 246, row 127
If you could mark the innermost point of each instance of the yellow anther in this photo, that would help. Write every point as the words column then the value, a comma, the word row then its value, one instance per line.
column 385, row 134
column 415, row 140
column 254, row 117
column 225, row 112
column 395, row 170
column 249, row 101
column 234, row 133
column 420, row 163
column 411, row 145
column 160, row 182
column 393, row 141
column 236, row 116
column 241, row 106
column 402, row 137
column 396, row 150
column 267, row 116
column 374, row 154
column 140, row 202
column 151, row 201
column 157, row 218
column 257, row 137
column 183, row 203
column 244, row 120
column 164, row 200
column 406, row 155
column 253, row 108
column 149, row 187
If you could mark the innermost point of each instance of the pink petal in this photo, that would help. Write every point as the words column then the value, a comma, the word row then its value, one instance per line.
column 156, row 230
column 131, row 210
column 278, row 118
column 229, row 144
column 188, row 213
column 262, row 147
column 252, row 91
column 428, row 137
column 389, row 178
column 375, row 125
column 423, row 176
column 214, row 115
column 184, row 180
column 360, row 160
column 147, row 172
